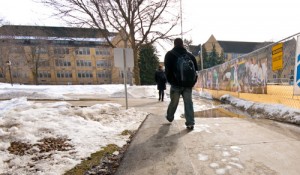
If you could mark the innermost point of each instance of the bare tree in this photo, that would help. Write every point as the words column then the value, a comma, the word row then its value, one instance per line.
column 138, row 21
column 33, row 49
column 4, row 57
column 3, row 21
column 188, row 43
column 37, row 55
column 6, row 43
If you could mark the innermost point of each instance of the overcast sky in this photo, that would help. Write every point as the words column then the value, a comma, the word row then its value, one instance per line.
column 230, row 20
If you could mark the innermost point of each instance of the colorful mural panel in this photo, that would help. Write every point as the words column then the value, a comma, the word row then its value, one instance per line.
column 248, row 75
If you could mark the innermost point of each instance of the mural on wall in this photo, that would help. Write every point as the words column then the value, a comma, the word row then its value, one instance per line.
column 251, row 73
column 247, row 74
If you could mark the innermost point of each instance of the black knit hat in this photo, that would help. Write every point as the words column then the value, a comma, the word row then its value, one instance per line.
column 178, row 42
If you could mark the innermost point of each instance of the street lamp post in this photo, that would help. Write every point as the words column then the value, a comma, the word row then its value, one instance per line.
column 8, row 63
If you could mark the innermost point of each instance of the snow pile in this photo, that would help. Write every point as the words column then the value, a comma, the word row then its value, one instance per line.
column 276, row 112
column 51, row 138
column 136, row 92
column 57, row 92
column 204, row 95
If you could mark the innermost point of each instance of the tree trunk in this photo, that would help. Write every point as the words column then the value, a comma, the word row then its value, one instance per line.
column 136, row 69
column 35, row 74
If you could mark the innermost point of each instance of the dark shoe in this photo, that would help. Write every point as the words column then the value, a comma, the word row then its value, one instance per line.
column 162, row 99
column 168, row 119
column 159, row 99
column 190, row 127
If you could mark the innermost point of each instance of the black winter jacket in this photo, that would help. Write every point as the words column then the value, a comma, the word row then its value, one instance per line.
column 160, row 79
column 170, row 65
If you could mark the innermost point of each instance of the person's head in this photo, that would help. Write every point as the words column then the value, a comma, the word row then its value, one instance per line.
column 178, row 42
column 160, row 67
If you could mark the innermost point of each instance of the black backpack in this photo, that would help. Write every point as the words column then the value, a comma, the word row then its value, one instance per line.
column 185, row 70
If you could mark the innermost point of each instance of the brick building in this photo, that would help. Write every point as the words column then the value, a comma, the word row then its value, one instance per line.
column 58, row 55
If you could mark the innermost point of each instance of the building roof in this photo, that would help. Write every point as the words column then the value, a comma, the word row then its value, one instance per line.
column 50, row 31
column 241, row 47
column 194, row 49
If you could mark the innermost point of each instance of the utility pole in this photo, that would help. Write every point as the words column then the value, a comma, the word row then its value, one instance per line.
column 181, row 18
column 201, row 56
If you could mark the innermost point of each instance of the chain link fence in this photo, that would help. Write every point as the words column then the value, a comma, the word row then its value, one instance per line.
column 256, row 76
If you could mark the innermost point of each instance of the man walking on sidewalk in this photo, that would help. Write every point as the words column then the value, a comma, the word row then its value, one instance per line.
column 180, row 69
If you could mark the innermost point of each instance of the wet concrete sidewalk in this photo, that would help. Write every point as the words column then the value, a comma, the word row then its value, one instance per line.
column 219, row 145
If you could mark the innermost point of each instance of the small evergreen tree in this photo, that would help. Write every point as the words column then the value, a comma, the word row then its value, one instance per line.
column 205, row 58
column 148, row 63
column 221, row 59
column 211, row 59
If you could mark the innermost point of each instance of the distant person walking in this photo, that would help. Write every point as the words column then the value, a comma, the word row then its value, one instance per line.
column 161, row 80
column 181, row 67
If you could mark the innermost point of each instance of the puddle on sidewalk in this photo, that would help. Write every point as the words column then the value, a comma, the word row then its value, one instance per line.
column 217, row 112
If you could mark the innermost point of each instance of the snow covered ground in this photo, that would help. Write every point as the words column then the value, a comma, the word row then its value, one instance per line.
column 76, row 132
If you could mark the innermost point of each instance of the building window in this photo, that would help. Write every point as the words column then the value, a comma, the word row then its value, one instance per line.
column 77, row 42
column 102, row 51
column 1, row 75
column 82, row 51
column 44, row 63
column 84, row 63
column 19, row 63
column 60, row 42
column 61, row 51
column 64, row 74
column 19, row 75
column 41, row 50
column 85, row 74
column 103, row 63
column 225, row 56
column 62, row 63
column 16, row 50
column 104, row 74
column 44, row 74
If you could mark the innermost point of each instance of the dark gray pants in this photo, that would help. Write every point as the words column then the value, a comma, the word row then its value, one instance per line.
column 186, row 93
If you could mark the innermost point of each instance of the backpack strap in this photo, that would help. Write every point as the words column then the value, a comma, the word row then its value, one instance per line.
column 177, row 54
